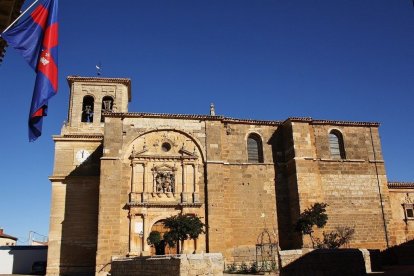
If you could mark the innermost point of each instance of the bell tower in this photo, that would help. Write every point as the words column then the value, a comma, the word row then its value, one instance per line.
column 76, row 173
column 90, row 97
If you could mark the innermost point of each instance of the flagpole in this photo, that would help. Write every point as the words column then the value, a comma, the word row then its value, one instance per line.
column 19, row 17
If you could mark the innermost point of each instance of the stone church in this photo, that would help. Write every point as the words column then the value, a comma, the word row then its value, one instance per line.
column 117, row 174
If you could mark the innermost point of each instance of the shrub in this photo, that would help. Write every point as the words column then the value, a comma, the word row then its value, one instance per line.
column 231, row 268
column 244, row 268
column 337, row 238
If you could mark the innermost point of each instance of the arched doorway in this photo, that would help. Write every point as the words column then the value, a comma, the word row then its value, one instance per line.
column 162, row 248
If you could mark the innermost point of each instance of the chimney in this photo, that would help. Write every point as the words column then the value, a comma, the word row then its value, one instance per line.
column 1, row 231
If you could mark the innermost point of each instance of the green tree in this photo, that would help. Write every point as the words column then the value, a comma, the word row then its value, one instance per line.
column 313, row 216
column 182, row 227
column 155, row 240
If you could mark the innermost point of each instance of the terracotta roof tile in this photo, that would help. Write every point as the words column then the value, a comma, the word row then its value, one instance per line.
column 234, row 120
column 5, row 236
column 345, row 123
column 191, row 117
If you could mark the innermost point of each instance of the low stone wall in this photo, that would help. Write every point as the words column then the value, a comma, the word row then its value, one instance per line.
column 246, row 254
column 325, row 262
column 176, row 265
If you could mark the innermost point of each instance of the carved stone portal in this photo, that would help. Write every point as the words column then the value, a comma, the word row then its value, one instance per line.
column 165, row 182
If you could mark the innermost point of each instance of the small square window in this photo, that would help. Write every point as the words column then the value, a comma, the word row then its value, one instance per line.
column 409, row 211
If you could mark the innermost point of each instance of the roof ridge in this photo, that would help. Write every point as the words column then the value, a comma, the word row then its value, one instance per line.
column 400, row 184
column 237, row 120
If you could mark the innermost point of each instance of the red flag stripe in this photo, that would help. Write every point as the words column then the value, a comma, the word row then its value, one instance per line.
column 38, row 113
column 50, row 69
column 40, row 15
column 51, row 36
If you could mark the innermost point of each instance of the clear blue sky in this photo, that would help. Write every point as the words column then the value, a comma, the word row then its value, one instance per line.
column 262, row 59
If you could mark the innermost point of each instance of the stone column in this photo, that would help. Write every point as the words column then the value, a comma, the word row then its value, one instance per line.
column 184, row 188
column 195, row 186
column 97, row 106
column 146, row 230
column 131, row 195
column 144, row 184
column 154, row 183
column 133, row 242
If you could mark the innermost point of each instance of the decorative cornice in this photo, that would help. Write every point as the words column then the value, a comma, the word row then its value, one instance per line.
column 400, row 185
column 331, row 122
column 161, row 157
column 162, row 204
column 57, row 178
column 124, row 81
column 250, row 121
column 191, row 117
column 299, row 119
column 237, row 121
column 96, row 137
column 345, row 123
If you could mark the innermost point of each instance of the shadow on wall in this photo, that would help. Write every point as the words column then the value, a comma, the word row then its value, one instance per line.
column 330, row 262
column 80, row 224
column 402, row 254
column 286, row 189
column 25, row 256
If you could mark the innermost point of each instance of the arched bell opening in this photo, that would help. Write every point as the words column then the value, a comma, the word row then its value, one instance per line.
column 107, row 105
column 87, row 109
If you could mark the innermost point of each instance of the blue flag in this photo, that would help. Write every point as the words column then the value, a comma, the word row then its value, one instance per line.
column 36, row 38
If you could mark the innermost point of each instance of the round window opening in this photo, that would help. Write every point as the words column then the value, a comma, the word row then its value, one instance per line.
column 165, row 146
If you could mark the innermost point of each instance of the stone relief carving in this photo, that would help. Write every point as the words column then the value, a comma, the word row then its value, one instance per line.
column 165, row 139
column 407, row 199
column 165, row 182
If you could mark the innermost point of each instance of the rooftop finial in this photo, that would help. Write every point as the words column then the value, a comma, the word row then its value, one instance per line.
column 212, row 110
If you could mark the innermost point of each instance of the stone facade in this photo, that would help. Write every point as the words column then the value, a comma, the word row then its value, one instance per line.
column 402, row 201
column 117, row 174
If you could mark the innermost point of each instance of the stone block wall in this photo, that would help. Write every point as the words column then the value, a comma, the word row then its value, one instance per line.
column 402, row 227
column 355, row 188
column 182, row 265
column 74, row 206
column 241, row 195
column 111, row 211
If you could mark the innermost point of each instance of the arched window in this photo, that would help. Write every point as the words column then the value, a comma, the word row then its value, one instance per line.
column 254, row 149
column 107, row 104
column 336, row 145
column 87, row 109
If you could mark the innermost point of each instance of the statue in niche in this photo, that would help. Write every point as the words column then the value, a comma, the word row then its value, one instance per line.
column 165, row 182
